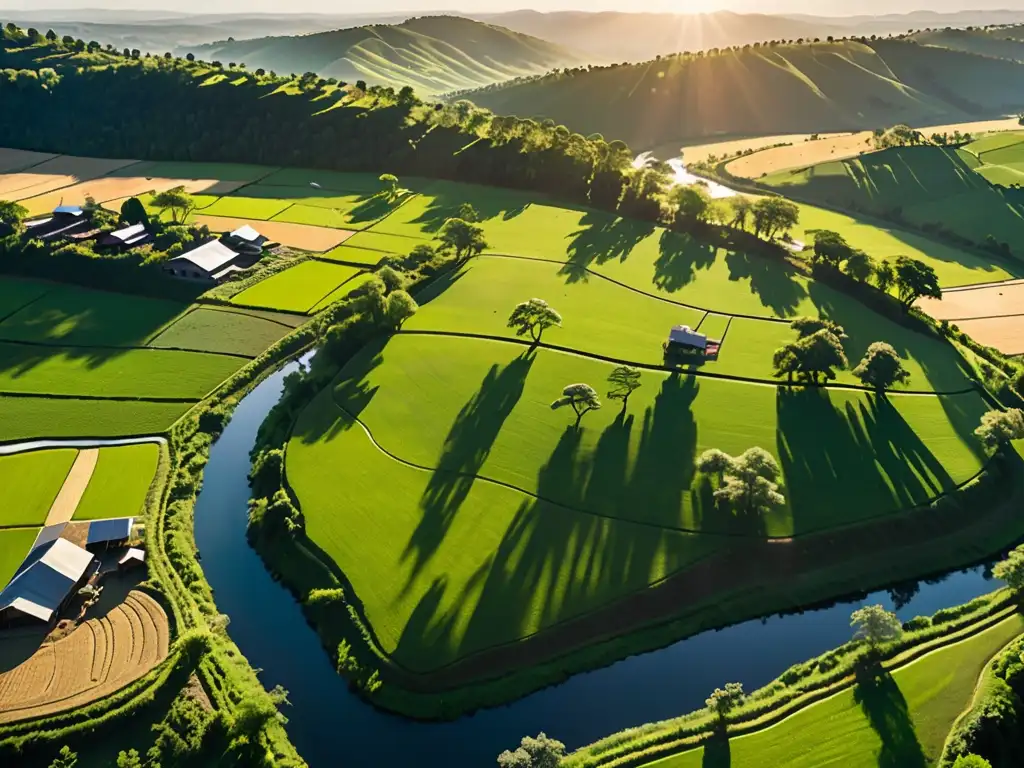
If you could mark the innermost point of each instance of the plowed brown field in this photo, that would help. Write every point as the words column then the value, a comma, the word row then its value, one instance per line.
column 101, row 656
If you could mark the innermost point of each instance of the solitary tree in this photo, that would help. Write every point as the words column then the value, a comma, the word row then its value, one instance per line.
column 12, row 214
column 399, row 307
column 134, row 212
column 533, row 317
column 1011, row 570
column 179, row 202
column 723, row 700
column 623, row 381
column 714, row 461
column 914, row 280
column 999, row 427
column 750, row 482
column 463, row 238
column 807, row 326
column 881, row 367
column 539, row 752
column 390, row 182
column 582, row 398
column 885, row 276
column 875, row 625
column 692, row 204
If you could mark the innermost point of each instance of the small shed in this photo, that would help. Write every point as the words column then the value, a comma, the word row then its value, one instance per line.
column 683, row 338
column 133, row 558
column 246, row 236
column 207, row 263
column 106, row 533
column 128, row 237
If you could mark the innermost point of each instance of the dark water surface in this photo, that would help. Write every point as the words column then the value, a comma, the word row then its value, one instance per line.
column 332, row 727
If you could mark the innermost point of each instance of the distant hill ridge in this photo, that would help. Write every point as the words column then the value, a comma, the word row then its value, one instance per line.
column 765, row 89
column 431, row 53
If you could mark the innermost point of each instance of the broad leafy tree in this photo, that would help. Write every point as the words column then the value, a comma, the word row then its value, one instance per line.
column 774, row 216
column 875, row 625
column 692, row 205
column 742, row 209
column 12, row 214
column 971, row 761
column 881, row 367
column 811, row 357
column 622, row 382
column 391, row 277
column 533, row 317
column 1000, row 427
column 830, row 248
column 462, row 238
column 65, row 758
column 390, row 182
column 859, row 266
column 179, row 202
column 582, row 398
column 129, row 759
column 715, row 462
column 399, row 307
column 134, row 212
column 885, row 276
column 1011, row 570
column 807, row 326
column 723, row 700
column 534, row 752
column 750, row 482
column 915, row 280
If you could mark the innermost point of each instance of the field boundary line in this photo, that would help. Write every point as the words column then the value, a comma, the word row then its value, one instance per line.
column 110, row 398
column 243, row 313
column 684, row 371
column 50, row 289
column 984, row 317
column 131, row 348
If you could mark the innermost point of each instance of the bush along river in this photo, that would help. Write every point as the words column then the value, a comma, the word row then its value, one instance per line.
column 329, row 724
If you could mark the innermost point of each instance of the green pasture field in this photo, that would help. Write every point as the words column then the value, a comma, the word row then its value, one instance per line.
column 1009, row 154
column 47, row 370
column 238, row 206
column 479, row 407
column 16, row 293
column 15, row 544
column 1003, row 175
column 297, row 289
column 26, row 418
column 880, row 240
column 900, row 719
column 384, row 244
column 187, row 171
column 479, row 299
column 329, row 180
column 120, row 482
column 354, row 216
column 202, row 202
column 993, row 142
column 714, row 326
column 74, row 315
column 473, row 564
column 926, row 186
column 30, row 482
column 341, row 291
column 225, row 331
column 347, row 254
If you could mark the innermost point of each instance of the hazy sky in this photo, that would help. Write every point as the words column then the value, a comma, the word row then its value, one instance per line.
column 817, row 7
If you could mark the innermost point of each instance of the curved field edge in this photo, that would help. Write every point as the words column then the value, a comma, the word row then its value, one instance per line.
column 176, row 581
column 804, row 691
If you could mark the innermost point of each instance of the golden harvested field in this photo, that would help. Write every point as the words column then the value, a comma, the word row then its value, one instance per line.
column 700, row 152
column 992, row 300
column 61, row 171
column 19, row 159
column 304, row 236
column 838, row 147
column 119, row 188
column 101, row 656
column 64, row 506
column 1004, row 333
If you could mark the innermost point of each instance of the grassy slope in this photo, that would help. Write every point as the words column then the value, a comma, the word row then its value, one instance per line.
column 769, row 90
column 299, row 288
column 14, row 545
column 119, row 483
column 999, row 43
column 217, row 330
column 30, row 483
column 902, row 720
column 432, row 54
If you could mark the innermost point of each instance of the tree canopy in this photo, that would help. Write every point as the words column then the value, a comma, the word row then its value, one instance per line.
column 774, row 216
column 399, row 307
column 723, row 700
column 1011, row 569
column 811, row 357
column 623, row 381
column 830, row 248
column 875, row 625
column 12, row 214
column 806, row 326
column 462, row 238
column 582, row 398
column 179, row 202
column 749, row 484
column 915, row 280
column 999, row 427
column 534, row 317
column 881, row 367
column 534, row 752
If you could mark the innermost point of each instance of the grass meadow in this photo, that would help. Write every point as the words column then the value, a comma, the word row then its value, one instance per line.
column 30, row 482
column 27, row 418
column 120, row 482
column 898, row 719
column 15, row 544
column 297, row 289
column 225, row 331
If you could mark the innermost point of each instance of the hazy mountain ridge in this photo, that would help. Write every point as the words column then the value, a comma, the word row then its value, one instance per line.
column 433, row 54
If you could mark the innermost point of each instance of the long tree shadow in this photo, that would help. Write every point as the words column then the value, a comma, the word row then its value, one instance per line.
column 679, row 258
column 466, row 448
column 717, row 752
column 774, row 283
column 602, row 239
column 446, row 199
column 885, row 707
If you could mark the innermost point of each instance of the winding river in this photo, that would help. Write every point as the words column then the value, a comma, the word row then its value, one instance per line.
column 330, row 725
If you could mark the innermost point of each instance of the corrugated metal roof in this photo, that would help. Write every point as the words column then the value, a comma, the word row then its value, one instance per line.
column 211, row 257
column 45, row 579
column 109, row 530
column 130, row 233
column 681, row 334
column 71, row 210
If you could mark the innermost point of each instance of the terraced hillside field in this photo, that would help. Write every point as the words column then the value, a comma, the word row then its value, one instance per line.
column 475, row 515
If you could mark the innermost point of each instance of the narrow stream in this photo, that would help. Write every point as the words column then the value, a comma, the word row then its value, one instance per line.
column 331, row 726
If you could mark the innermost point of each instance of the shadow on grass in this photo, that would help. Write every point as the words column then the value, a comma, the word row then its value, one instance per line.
column 717, row 753
column 680, row 256
column 886, row 710
column 602, row 238
column 447, row 197
column 774, row 283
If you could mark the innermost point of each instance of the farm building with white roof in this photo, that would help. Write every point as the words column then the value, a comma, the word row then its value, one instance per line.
column 47, row 579
column 208, row 263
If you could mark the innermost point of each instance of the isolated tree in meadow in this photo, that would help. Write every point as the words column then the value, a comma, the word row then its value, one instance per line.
column 463, row 238
column 875, row 625
column 390, row 182
column 859, row 266
column 723, row 700
column 885, row 276
column 881, row 367
column 468, row 213
column 12, row 214
column 786, row 362
column 623, row 381
column 830, row 248
column 65, row 758
column 811, row 357
column 914, row 280
column 399, row 307
column 774, row 216
column 1011, row 570
column 807, row 326
column 534, row 752
column 1000, row 427
column 179, row 202
column 750, row 482
column 742, row 209
column 582, row 398
column 716, row 462
column 533, row 317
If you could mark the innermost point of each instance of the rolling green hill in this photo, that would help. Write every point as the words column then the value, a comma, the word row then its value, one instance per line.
column 768, row 89
column 433, row 54
column 1001, row 42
